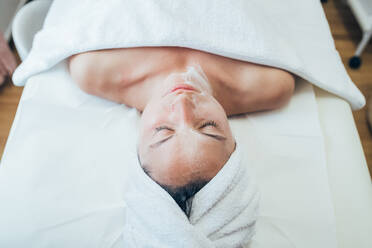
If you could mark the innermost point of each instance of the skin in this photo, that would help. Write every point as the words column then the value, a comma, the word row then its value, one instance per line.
column 7, row 60
column 184, row 134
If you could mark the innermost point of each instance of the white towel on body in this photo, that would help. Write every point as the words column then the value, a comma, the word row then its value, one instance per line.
column 223, row 213
column 287, row 34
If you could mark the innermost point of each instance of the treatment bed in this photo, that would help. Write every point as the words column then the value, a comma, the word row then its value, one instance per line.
column 62, row 172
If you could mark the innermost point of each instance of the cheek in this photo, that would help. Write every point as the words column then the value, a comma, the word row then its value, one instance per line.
column 151, row 114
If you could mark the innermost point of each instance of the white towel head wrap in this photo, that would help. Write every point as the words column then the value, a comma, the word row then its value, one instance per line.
column 223, row 212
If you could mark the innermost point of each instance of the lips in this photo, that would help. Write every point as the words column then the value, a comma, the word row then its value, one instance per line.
column 182, row 87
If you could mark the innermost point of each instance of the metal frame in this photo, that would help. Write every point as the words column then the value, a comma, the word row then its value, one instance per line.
column 365, row 22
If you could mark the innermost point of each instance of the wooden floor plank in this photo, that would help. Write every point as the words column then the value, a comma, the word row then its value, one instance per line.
column 9, row 98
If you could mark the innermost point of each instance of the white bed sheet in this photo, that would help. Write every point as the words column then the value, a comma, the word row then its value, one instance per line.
column 348, row 174
column 63, row 171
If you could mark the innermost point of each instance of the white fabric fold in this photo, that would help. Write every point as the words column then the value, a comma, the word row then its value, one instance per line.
column 287, row 34
column 223, row 212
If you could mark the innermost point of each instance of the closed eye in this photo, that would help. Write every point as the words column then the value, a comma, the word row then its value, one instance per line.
column 158, row 130
column 163, row 128
column 212, row 124
column 204, row 125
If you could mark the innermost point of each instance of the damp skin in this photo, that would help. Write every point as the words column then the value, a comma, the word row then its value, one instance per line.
column 193, row 76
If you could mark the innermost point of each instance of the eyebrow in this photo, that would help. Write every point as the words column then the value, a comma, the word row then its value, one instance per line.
column 160, row 142
column 216, row 137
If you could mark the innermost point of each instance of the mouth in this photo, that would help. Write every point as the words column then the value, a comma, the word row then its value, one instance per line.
column 181, row 87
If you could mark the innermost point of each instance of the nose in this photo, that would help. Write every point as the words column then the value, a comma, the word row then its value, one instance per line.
column 183, row 108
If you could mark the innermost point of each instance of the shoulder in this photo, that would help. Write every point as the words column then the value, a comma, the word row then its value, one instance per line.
column 258, row 87
column 96, row 70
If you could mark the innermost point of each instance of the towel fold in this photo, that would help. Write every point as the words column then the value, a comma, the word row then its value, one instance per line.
column 287, row 34
column 223, row 213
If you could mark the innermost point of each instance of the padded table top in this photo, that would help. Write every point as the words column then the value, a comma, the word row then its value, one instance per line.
column 346, row 175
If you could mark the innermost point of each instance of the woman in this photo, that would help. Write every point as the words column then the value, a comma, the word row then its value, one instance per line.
column 7, row 61
column 185, row 97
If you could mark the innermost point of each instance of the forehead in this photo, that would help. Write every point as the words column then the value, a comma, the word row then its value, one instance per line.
column 184, row 155
column 179, row 169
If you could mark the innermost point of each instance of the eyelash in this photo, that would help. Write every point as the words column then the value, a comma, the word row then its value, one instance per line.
column 162, row 128
column 209, row 123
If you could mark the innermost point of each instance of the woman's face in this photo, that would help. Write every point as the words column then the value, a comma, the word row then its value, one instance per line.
column 184, row 133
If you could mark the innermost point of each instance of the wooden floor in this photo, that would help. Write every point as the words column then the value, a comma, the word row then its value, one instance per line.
column 9, row 98
column 346, row 33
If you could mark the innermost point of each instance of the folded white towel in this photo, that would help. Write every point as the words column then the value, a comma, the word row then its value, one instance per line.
column 287, row 34
column 223, row 212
